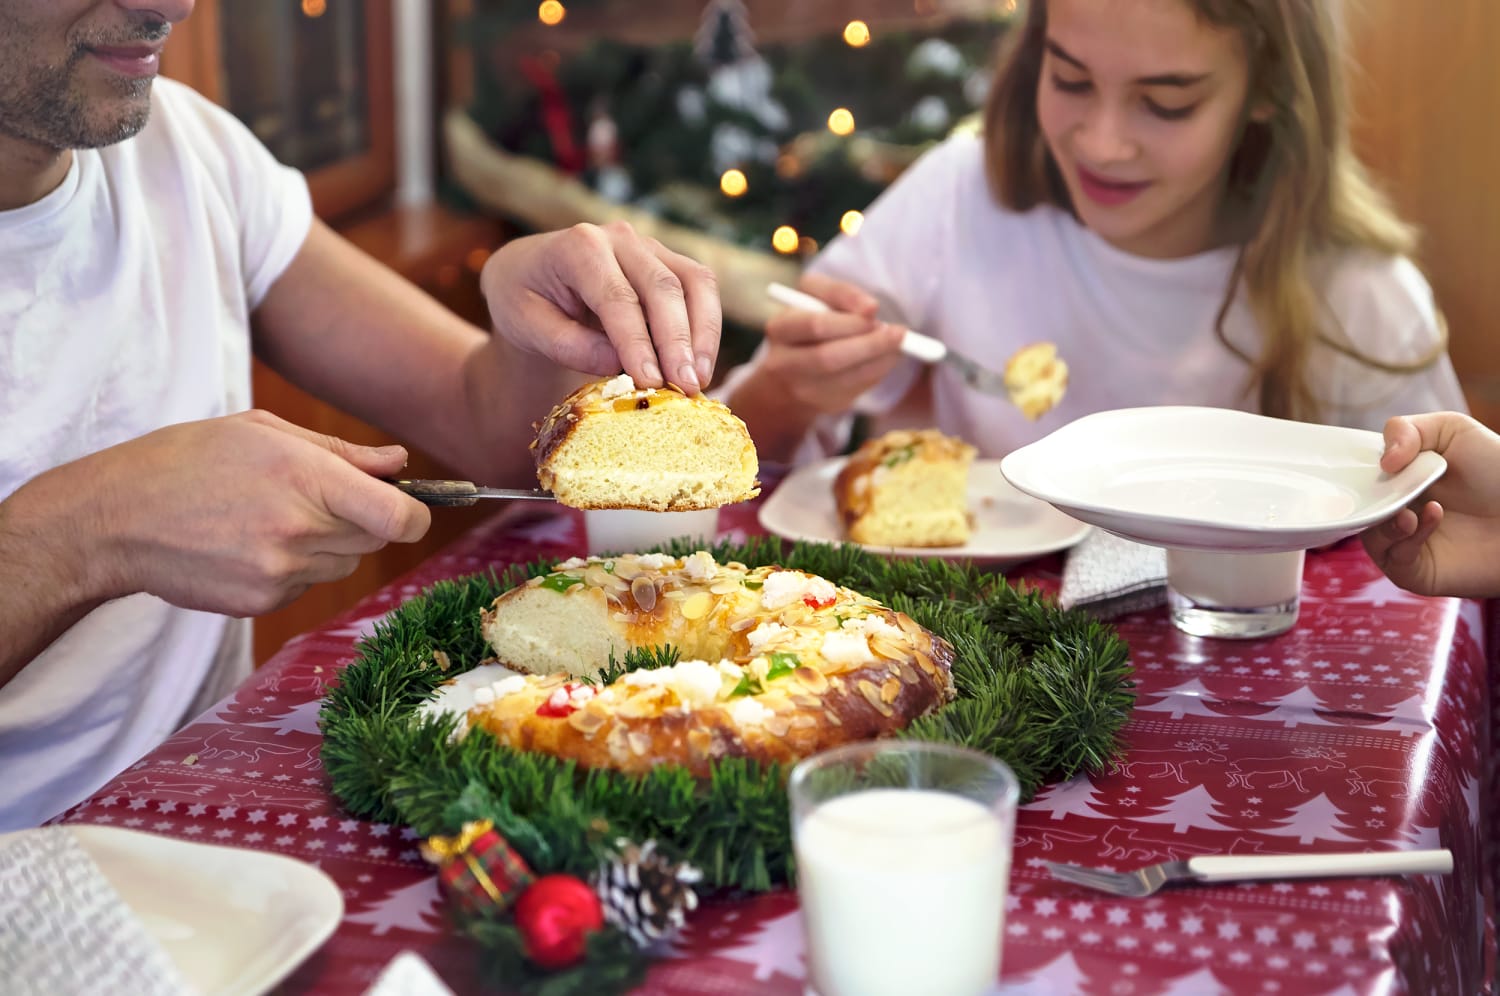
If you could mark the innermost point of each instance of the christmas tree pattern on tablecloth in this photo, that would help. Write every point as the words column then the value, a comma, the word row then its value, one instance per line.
column 416, row 907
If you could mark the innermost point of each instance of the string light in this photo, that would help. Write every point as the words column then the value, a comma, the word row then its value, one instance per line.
column 785, row 239
column 841, row 121
column 551, row 13
column 857, row 34
column 807, row 245
column 850, row 222
column 314, row 8
column 733, row 183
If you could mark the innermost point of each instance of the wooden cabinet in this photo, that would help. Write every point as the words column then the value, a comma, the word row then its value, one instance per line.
column 313, row 79
column 1427, row 91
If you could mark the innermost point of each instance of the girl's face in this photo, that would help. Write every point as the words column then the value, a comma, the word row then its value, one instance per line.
column 1142, row 104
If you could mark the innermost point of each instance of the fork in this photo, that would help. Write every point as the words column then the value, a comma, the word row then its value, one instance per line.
column 1247, row 867
column 914, row 344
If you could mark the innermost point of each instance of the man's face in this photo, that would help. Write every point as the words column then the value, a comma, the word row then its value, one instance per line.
column 76, row 74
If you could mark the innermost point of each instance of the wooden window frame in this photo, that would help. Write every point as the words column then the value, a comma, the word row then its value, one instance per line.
column 195, row 57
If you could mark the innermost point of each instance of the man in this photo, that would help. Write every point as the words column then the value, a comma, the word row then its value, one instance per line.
column 141, row 231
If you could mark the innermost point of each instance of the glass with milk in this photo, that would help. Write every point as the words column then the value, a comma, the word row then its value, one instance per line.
column 903, row 862
column 1236, row 596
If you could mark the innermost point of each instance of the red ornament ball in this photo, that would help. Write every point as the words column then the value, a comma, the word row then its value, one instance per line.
column 555, row 915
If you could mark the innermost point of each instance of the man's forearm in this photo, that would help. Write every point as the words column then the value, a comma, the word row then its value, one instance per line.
column 46, row 585
column 356, row 334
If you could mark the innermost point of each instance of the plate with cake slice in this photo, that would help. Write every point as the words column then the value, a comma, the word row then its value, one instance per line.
column 1004, row 524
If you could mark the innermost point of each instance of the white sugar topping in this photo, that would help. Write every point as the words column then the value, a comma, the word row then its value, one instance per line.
column 765, row 633
column 782, row 588
column 695, row 683
column 700, row 566
column 617, row 387
column 847, row 649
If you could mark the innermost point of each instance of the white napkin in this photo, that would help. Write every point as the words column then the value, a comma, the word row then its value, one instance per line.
column 408, row 975
column 1108, row 576
column 64, row 929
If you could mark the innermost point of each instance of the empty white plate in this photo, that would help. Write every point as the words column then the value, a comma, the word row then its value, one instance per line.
column 233, row 921
column 1008, row 526
column 1216, row 479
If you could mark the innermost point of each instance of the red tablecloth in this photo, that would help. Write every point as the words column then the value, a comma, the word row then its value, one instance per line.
column 1366, row 726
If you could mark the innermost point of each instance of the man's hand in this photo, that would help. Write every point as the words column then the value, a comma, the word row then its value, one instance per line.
column 1449, row 544
column 602, row 298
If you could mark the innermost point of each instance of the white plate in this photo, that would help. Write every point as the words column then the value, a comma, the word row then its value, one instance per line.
column 1008, row 525
column 232, row 921
column 1216, row 479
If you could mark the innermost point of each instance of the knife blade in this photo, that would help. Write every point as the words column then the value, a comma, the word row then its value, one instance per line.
column 451, row 494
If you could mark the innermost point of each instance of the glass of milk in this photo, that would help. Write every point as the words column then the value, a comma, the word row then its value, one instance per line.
column 628, row 530
column 903, row 862
column 1238, row 596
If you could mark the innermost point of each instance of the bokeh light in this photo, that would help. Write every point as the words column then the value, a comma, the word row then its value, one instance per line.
column 857, row 34
column 733, row 183
column 551, row 12
column 785, row 239
column 841, row 121
column 850, row 222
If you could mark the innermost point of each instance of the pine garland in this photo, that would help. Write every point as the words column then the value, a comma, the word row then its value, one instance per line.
column 1045, row 690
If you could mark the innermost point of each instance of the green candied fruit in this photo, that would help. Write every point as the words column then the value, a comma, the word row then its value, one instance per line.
column 902, row 455
column 560, row 582
column 753, row 585
column 782, row 663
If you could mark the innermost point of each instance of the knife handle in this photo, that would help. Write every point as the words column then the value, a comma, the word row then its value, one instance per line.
column 440, row 494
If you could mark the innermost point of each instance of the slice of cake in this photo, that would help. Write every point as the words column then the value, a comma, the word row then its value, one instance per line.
column 610, row 444
column 906, row 488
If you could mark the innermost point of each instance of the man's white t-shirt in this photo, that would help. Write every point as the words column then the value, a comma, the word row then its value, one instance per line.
column 125, row 301
column 947, row 260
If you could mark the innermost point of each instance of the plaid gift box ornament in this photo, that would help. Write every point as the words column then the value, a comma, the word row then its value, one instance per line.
column 478, row 868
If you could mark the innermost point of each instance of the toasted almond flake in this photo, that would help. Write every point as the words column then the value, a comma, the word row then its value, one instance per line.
column 777, row 726
column 627, row 569
column 643, row 590
column 587, row 721
column 639, row 742
column 890, row 689
column 832, row 717
column 697, row 606
column 596, row 576
column 806, row 701
column 812, row 678
column 725, row 586
column 801, row 721
column 742, row 624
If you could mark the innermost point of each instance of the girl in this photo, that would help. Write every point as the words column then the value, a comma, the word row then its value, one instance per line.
column 1166, row 190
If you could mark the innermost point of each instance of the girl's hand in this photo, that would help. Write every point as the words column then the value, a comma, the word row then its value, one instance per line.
column 1448, row 544
column 823, row 361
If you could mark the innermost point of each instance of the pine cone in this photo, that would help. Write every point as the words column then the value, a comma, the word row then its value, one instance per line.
column 644, row 893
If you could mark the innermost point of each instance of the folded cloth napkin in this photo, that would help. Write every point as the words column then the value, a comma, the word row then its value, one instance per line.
column 1107, row 576
column 64, row 928
column 408, row 975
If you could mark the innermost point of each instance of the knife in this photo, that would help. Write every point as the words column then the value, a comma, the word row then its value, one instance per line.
column 448, row 494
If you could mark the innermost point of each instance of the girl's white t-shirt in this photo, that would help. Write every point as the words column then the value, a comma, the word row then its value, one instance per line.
column 947, row 260
column 125, row 301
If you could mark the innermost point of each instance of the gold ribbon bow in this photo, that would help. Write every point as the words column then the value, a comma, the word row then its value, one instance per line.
column 442, row 850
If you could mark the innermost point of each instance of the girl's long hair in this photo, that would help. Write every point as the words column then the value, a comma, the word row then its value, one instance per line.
column 1303, row 190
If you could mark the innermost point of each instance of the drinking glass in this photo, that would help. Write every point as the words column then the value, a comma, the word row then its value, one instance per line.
column 1237, row 596
column 903, row 861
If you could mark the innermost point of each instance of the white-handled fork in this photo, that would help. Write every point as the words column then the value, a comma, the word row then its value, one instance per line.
column 1253, row 867
column 913, row 344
